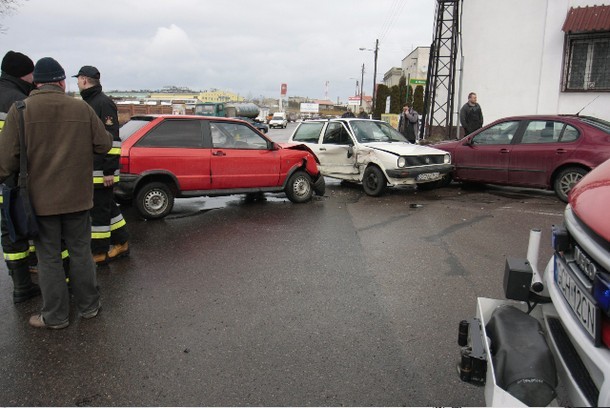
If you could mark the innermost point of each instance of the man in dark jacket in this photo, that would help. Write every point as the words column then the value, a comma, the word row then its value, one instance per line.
column 107, row 223
column 62, row 134
column 16, row 85
column 471, row 115
column 408, row 123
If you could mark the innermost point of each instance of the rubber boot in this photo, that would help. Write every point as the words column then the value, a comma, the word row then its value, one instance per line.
column 23, row 287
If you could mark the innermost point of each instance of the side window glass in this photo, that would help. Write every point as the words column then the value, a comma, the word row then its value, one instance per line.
column 174, row 133
column 502, row 133
column 542, row 131
column 308, row 132
column 336, row 134
column 570, row 134
column 228, row 135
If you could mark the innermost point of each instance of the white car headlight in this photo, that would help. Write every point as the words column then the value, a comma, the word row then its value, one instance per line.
column 447, row 158
column 402, row 162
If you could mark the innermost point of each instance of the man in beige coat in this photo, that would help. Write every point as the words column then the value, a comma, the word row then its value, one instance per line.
column 61, row 133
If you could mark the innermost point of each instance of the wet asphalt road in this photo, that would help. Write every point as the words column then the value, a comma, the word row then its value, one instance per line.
column 348, row 300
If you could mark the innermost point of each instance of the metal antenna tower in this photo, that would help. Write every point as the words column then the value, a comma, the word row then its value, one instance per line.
column 437, row 117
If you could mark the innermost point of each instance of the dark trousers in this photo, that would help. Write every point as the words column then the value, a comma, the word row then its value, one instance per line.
column 15, row 253
column 75, row 230
column 108, row 226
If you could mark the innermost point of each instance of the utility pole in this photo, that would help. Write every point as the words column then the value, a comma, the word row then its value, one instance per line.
column 361, row 84
column 375, row 77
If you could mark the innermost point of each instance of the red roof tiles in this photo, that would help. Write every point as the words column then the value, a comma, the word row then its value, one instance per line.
column 587, row 19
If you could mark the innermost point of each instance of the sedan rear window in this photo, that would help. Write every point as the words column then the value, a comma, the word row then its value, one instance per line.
column 542, row 131
column 308, row 132
column 598, row 123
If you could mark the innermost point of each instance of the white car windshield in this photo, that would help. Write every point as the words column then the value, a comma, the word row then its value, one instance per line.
column 367, row 131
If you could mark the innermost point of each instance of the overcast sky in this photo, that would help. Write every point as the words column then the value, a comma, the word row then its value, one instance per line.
column 249, row 47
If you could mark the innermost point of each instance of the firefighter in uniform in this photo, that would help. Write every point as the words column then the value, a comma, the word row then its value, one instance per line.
column 108, row 226
column 15, row 85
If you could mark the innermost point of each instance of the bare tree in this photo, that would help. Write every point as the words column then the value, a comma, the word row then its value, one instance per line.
column 7, row 7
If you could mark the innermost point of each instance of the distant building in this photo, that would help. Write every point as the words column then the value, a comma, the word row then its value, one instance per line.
column 415, row 66
column 354, row 103
column 216, row 95
column 325, row 104
column 168, row 96
column 392, row 77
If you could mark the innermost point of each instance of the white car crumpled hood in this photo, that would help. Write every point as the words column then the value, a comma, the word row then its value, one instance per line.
column 404, row 149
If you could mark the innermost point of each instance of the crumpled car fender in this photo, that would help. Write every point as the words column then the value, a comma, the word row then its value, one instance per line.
column 299, row 146
column 367, row 157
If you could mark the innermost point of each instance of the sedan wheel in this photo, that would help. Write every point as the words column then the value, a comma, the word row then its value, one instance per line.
column 298, row 188
column 566, row 180
column 154, row 200
column 374, row 182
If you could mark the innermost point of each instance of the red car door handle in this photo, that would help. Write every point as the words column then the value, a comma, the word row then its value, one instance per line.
column 219, row 153
column 561, row 151
column 504, row 151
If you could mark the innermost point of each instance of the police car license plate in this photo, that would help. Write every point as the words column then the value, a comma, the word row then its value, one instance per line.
column 428, row 176
column 580, row 301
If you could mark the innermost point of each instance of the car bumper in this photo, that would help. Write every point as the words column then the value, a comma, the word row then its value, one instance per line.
column 413, row 173
column 583, row 368
column 125, row 188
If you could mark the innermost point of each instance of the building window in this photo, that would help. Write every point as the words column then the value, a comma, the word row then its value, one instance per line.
column 587, row 62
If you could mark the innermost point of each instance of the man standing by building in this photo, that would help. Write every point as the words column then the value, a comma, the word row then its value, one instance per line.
column 16, row 85
column 471, row 115
column 61, row 135
column 107, row 223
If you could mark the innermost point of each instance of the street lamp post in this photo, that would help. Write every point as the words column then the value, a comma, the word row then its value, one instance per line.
column 361, row 84
column 376, row 51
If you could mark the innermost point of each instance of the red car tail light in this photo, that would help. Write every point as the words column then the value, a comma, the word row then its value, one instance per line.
column 124, row 164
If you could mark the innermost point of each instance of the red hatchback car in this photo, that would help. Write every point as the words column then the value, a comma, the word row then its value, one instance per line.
column 168, row 156
column 551, row 152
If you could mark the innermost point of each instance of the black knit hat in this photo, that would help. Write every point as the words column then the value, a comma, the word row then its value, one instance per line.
column 48, row 70
column 17, row 64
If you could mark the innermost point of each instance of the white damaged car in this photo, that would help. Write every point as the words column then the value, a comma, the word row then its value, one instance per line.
column 373, row 153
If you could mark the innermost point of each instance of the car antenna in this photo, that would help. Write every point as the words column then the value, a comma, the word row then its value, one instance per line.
column 583, row 108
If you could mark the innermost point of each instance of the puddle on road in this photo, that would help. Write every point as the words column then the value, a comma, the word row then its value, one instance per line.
column 188, row 207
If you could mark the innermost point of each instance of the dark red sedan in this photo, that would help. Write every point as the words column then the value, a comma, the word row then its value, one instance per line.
column 541, row 151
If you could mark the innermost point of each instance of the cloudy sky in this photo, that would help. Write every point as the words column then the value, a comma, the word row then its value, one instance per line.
column 249, row 47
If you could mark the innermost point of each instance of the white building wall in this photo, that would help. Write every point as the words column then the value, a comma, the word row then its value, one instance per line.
column 415, row 65
column 513, row 59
